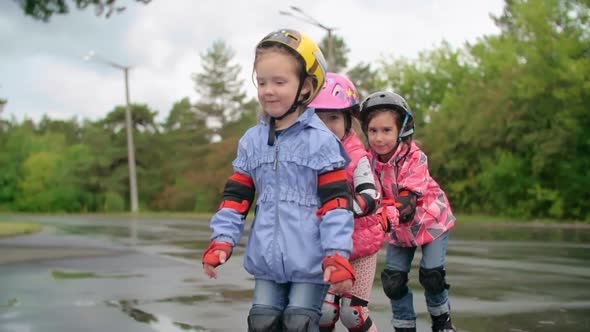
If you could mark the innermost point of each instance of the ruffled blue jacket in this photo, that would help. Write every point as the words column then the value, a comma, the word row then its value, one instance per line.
column 288, row 241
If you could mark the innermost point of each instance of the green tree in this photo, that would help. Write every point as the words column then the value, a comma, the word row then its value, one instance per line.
column 366, row 79
column 104, row 155
column 220, row 90
column 519, row 110
column 340, row 53
column 186, row 131
column 51, row 176
column 15, row 147
column 186, row 139
column 426, row 81
column 44, row 9
column 70, row 129
column 148, row 155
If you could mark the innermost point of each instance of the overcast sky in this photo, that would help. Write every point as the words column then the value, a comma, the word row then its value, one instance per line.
column 42, row 70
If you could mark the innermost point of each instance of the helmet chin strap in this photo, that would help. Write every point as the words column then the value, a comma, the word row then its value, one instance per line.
column 292, row 109
column 403, row 132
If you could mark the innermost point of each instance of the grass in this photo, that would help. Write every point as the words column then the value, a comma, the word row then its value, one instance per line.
column 487, row 219
column 168, row 214
column 9, row 229
column 463, row 218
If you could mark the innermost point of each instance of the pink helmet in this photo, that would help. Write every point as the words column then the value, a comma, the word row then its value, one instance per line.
column 338, row 94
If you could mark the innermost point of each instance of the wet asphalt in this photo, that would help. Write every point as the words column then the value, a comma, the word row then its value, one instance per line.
column 100, row 273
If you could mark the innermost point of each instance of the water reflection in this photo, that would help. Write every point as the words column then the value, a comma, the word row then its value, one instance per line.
column 157, row 322
column 522, row 232
column 504, row 278
column 133, row 230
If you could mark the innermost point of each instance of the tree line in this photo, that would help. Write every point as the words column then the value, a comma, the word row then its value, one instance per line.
column 504, row 121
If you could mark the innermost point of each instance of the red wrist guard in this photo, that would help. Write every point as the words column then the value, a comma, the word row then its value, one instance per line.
column 344, row 270
column 385, row 222
column 210, row 258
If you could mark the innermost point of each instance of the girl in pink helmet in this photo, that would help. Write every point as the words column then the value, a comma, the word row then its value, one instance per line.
column 335, row 105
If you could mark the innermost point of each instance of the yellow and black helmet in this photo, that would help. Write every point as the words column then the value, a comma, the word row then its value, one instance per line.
column 309, row 52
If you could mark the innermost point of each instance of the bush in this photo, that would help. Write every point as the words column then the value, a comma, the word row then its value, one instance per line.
column 113, row 202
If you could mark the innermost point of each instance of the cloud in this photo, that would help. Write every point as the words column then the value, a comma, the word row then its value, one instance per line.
column 42, row 70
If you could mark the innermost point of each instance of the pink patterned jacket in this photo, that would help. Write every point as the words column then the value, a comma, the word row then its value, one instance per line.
column 409, row 170
column 368, row 234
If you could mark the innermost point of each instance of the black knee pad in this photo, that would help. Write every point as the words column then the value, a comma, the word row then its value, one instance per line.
column 264, row 320
column 300, row 320
column 433, row 280
column 395, row 283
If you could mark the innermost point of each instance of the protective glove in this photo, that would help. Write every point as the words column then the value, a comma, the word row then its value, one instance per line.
column 343, row 271
column 209, row 256
column 385, row 225
column 382, row 215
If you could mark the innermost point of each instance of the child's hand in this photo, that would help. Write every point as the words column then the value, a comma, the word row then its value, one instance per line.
column 388, row 215
column 337, row 287
column 216, row 254
column 339, row 272
column 384, row 222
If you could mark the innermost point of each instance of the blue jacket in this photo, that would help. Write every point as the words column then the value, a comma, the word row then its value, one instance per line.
column 288, row 241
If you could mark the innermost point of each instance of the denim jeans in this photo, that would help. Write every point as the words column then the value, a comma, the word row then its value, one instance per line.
column 434, row 255
column 281, row 298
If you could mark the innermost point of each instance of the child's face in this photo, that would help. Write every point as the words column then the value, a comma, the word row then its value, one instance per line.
column 382, row 133
column 335, row 121
column 277, row 82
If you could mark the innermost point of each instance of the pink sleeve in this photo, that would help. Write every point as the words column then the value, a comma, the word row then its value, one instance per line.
column 414, row 173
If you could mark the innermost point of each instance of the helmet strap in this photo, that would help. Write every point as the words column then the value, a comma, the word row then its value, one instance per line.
column 296, row 102
column 403, row 133
column 293, row 108
column 271, row 132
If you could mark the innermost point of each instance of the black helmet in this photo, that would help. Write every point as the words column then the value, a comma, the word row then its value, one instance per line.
column 388, row 100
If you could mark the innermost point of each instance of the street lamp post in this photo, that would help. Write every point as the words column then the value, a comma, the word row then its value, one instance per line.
column 129, row 127
column 303, row 16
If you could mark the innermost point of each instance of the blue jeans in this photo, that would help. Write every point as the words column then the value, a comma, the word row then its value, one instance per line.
column 294, row 299
column 434, row 255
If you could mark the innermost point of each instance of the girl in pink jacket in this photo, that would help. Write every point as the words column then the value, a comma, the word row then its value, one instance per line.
column 414, row 205
column 335, row 105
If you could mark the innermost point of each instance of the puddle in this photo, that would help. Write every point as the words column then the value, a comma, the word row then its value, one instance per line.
column 64, row 275
column 559, row 320
column 503, row 278
column 11, row 303
column 187, row 300
column 156, row 321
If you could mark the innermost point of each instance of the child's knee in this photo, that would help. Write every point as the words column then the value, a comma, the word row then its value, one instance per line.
column 263, row 319
column 300, row 320
column 395, row 283
column 433, row 280
column 354, row 314
column 330, row 312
